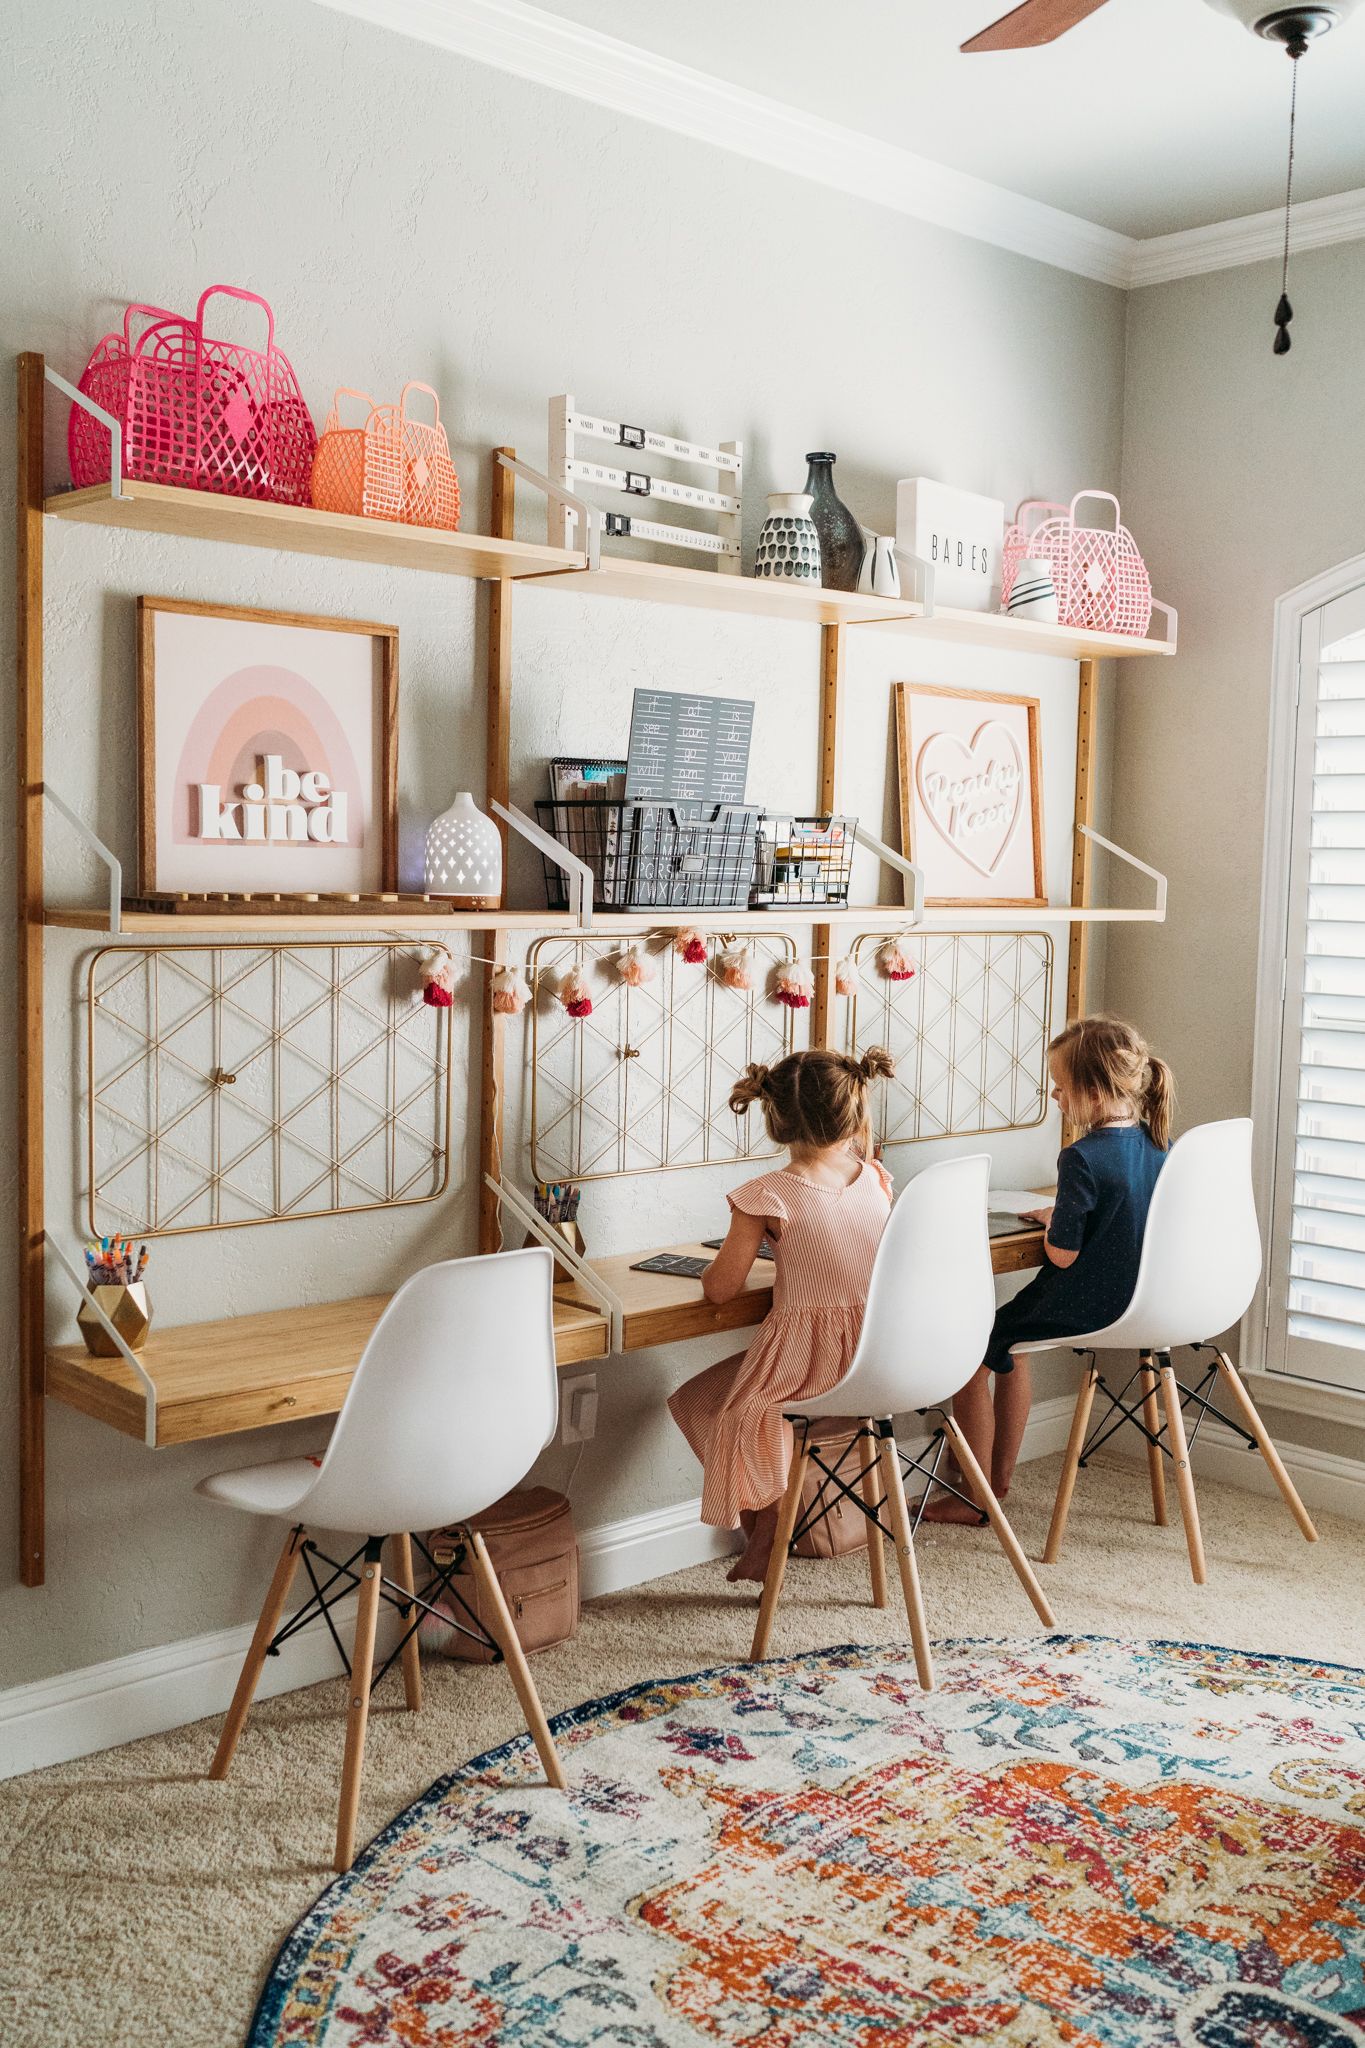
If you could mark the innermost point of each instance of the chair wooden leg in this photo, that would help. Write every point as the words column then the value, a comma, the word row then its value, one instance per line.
column 1156, row 1457
column 249, row 1677
column 503, row 1630
column 358, row 1704
column 777, row 1561
column 1232, row 1380
column 876, row 1552
column 1184, row 1478
column 412, row 1656
column 1066, row 1485
column 999, row 1521
column 894, row 1488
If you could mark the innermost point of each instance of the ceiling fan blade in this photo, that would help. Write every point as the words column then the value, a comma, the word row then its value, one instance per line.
column 1035, row 23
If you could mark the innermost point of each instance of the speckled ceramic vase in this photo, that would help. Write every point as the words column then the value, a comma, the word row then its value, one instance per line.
column 788, row 546
column 841, row 537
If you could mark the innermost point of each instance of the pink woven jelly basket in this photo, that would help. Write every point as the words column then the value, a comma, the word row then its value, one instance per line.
column 1102, row 581
column 391, row 468
column 208, row 415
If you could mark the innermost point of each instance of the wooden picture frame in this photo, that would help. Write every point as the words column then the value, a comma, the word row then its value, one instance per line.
column 198, row 666
column 986, row 822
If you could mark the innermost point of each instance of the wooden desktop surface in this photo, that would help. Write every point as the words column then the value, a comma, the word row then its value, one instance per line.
column 658, row 1308
column 247, row 1372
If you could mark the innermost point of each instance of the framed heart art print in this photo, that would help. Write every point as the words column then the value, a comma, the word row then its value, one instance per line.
column 971, row 795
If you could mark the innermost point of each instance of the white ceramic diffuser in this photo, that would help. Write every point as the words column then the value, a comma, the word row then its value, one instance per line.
column 464, row 857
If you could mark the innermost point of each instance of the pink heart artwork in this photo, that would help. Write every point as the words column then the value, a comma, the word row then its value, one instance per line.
column 972, row 791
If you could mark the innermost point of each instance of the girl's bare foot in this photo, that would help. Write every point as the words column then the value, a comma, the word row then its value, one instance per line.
column 752, row 1563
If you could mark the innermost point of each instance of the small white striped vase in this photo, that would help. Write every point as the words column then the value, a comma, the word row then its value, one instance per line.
column 1034, row 595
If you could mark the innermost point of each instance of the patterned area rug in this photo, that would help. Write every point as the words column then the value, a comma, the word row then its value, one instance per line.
column 1073, row 1843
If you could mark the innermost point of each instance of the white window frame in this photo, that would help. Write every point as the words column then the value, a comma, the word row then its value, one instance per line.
column 1283, row 1390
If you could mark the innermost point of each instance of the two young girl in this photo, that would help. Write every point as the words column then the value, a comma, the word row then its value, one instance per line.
column 824, row 1214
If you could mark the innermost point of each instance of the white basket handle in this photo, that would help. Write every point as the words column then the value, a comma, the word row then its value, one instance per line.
column 414, row 385
column 1105, row 497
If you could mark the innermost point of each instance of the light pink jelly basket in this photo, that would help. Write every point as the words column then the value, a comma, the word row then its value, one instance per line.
column 1102, row 581
column 206, row 414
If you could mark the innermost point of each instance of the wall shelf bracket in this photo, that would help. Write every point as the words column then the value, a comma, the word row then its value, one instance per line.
column 99, row 849
column 1157, row 913
column 125, row 1351
column 588, row 517
column 106, row 419
column 887, row 855
column 585, row 1276
column 580, row 876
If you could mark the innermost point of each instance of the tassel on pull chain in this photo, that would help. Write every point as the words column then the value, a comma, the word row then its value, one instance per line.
column 1284, row 312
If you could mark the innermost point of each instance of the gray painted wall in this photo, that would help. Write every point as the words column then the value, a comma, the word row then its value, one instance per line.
column 1242, row 474
column 410, row 214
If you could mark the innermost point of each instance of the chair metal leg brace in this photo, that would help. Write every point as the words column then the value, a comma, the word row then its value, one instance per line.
column 390, row 1593
column 1138, row 1413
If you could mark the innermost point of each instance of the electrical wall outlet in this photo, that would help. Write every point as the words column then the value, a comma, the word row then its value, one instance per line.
column 578, row 1409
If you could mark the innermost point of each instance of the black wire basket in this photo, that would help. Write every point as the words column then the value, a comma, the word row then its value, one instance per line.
column 692, row 856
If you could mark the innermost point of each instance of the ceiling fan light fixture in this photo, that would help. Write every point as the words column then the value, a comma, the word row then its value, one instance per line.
column 1287, row 25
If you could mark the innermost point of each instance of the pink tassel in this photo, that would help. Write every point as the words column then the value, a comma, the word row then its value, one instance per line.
column 574, row 994
column 438, row 978
column 511, row 993
column 892, row 962
column 634, row 966
column 845, row 977
column 794, row 987
column 690, row 944
column 735, row 967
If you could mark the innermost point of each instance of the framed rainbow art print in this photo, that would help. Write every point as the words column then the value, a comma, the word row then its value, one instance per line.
column 268, row 752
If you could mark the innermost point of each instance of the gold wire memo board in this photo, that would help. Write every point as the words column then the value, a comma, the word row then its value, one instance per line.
column 968, row 1034
column 642, row 1085
column 235, row 1085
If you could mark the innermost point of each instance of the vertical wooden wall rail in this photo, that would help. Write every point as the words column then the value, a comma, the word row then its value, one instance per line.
column 831, row 739
column 499, row 780
column 1078, row 950
column 28, row 1054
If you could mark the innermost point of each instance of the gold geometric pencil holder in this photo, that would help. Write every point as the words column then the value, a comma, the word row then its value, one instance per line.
column 127, row 1309
column 572, row 1236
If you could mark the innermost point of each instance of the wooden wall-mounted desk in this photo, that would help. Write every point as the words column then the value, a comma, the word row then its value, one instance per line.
column 659, row 1309
column 213, row 1379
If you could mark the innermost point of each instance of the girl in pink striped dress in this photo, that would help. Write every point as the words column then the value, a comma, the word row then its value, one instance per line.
column 824, row 1214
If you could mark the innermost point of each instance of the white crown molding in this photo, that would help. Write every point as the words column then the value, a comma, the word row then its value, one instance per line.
column 1224, row 244
column 552, row 51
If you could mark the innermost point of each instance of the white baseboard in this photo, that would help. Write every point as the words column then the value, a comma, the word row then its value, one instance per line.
column 1324, row 1478
column 149, row 1691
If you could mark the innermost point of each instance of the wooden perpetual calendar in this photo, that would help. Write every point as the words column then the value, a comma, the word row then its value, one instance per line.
column 573, row 471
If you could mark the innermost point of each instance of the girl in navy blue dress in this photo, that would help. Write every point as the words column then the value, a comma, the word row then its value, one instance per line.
column 1106, row 1081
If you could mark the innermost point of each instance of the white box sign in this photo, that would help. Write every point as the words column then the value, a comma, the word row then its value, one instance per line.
column 960, row 534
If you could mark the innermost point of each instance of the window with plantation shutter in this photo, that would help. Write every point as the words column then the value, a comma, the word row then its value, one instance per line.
column 1315, row 1302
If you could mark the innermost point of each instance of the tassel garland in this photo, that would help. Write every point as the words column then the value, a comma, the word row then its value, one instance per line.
column 690, row 946
column 634, row 966
column 437, row 970
column 511, row 992
column 794, row 987
column 893, row 963
column 735, row 967
column 845, row 977
column 574, row 993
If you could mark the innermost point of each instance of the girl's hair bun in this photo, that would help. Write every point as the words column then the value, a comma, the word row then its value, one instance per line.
column 750, row 1087
column 876, row 1064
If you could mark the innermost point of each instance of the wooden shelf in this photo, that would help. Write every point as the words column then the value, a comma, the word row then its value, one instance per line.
column 298, row 529
column 205, row 515
column 145, row 924
column 707, row 589
column 213, row 1379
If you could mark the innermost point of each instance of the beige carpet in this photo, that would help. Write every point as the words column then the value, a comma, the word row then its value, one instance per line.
column 141, row 1905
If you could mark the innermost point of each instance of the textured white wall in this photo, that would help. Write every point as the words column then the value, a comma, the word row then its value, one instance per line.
column 413, row 215
column 1241, row 471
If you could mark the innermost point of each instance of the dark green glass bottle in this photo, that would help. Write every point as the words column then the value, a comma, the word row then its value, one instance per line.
column 841, row 537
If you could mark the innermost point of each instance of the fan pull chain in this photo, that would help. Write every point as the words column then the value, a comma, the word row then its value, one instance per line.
column 1284, row 312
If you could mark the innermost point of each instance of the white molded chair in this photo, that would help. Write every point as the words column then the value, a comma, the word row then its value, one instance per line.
column 929, row 1311
column 453, row 1400
column 1201, row 1259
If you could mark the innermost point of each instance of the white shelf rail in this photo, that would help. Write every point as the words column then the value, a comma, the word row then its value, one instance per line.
column 578, row 873
column 588, row 517
column 106, row 419
column 99, row 849
column 125, row 1350
column 585, row 1275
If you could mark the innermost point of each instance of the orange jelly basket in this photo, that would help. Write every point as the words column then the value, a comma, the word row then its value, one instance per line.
column 391, row 468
